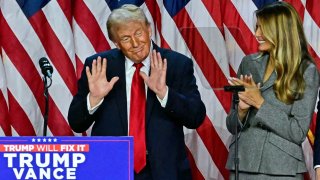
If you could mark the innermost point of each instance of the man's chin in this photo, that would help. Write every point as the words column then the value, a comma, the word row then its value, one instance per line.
column 138, row 59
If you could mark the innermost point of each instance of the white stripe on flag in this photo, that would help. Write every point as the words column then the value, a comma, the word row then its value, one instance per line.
column 210, row 33
column 100, row 11
column 60, row 25
column 308, row 155
column 83, row 46
column 246, row 10
column 23, row 95
column 201, row 156
column 234, row 52
column 312, row 31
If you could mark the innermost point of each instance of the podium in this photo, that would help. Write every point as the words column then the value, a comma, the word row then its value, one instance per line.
column 81, row 158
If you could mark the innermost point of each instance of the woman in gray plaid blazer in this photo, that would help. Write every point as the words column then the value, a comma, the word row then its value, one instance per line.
column 275, row 110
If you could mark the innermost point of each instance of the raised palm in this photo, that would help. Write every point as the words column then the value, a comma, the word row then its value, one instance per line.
column 157, row 79
column 99, row 86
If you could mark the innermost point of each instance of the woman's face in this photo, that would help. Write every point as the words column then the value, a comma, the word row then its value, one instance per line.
column 264, row 44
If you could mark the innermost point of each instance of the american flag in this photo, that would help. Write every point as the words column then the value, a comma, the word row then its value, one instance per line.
column 216, row 34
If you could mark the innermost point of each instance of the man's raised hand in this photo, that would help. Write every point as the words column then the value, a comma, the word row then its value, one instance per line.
column 157, row 79
column 97, row 79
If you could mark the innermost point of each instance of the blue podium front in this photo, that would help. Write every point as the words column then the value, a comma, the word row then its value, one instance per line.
column 81, row 158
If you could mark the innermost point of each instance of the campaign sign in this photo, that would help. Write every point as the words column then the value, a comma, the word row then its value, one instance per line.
column 66, row 158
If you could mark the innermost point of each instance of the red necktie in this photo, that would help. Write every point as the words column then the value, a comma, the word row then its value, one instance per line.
column 137, row 119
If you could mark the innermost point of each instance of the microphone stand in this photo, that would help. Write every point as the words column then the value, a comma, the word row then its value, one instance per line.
column 235, row 100
column 46, row 95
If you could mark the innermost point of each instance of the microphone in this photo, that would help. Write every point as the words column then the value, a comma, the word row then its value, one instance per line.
column 237, row 88
column 46, row 67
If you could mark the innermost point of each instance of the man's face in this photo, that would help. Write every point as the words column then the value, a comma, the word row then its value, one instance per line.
column 133, row 39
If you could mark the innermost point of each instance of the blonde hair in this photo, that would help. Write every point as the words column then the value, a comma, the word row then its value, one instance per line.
column 124, row 14
column 282, row 26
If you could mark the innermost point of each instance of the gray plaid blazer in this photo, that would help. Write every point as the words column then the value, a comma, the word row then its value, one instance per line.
column 270, row 139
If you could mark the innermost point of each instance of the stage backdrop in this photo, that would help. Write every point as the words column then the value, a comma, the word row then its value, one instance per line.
column 216, row 34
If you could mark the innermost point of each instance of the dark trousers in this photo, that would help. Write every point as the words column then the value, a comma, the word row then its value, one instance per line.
column 144, row 174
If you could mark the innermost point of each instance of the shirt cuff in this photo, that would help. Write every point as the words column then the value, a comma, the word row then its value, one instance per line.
column 164, row 101
column 316, row 166
column 92, row 109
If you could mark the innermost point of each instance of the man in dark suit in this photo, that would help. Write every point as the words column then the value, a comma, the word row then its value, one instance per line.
column 105, row 98
column 316, row 152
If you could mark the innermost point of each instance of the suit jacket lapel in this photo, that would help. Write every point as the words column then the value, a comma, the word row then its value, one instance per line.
column 151, row 96
column 269, row 83
column 121, row 97
column 259, row 70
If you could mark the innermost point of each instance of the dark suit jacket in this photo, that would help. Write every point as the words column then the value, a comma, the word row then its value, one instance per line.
column 164, row 126
column 316, row 152
column 271, row 137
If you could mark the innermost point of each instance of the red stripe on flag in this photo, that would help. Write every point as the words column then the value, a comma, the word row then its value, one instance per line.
column 238, row 28
column 313, row 123
column 156, row 16
column 313, row 8
column 66, row 7
column 90, row 26
column 214, row 9
column 4, row 117
column 19, row 120
column 298, row 6
column 79, row 66
column 232, row 72
column 196, row 174
column 56, row 122
column 314, row 56
column 23, row 63
column 55, row 50
column 203, row 57
column 215, row 146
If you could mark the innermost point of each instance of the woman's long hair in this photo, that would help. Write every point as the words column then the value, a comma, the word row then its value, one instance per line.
column 282, row 26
